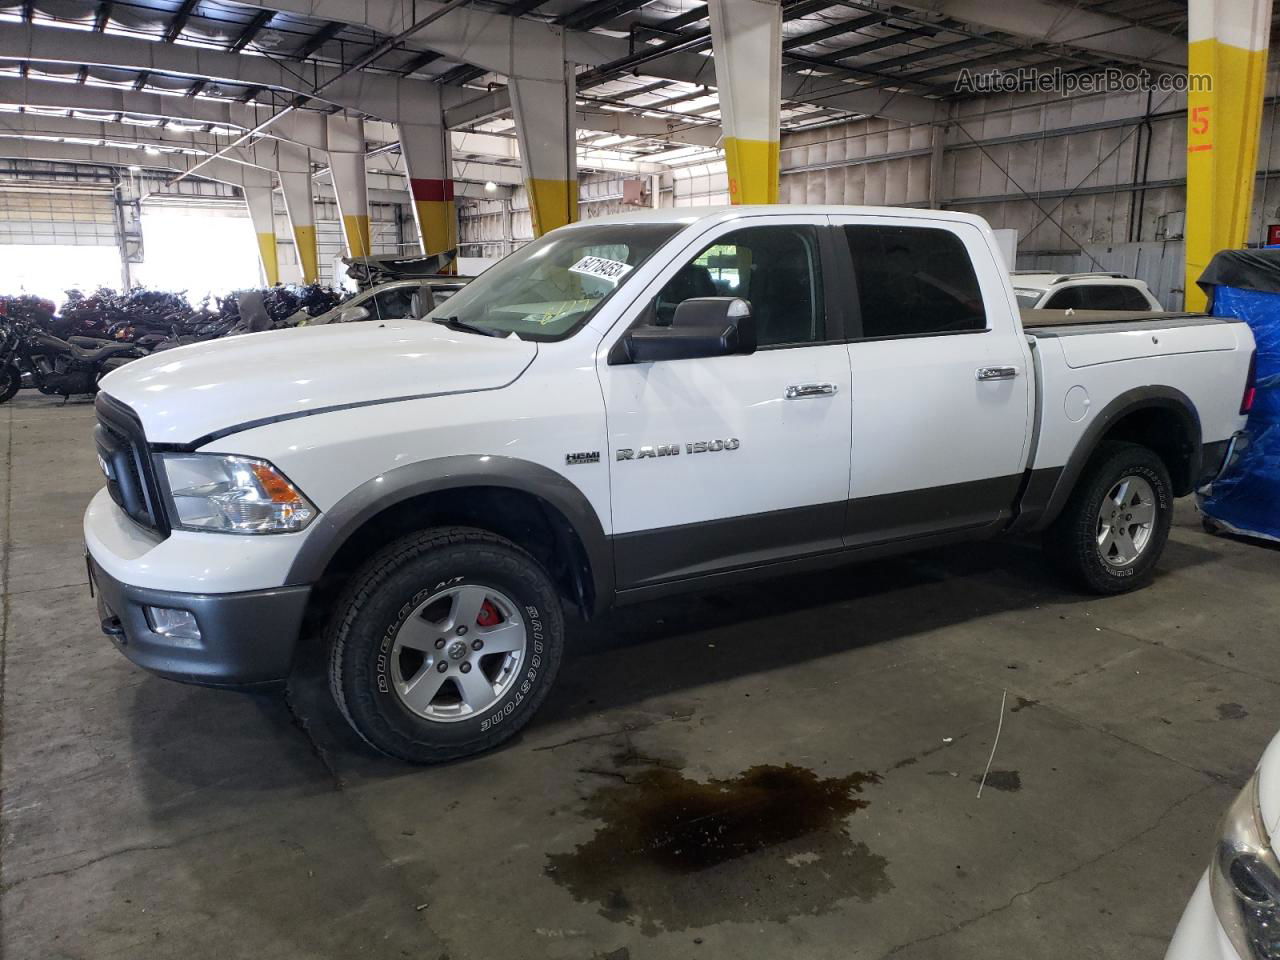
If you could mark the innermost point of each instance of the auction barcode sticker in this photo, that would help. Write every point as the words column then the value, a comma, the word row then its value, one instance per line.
column 611, row 270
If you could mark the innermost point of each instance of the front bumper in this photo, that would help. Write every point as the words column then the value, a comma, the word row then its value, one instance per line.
column 1200, row 935
column 245, row 638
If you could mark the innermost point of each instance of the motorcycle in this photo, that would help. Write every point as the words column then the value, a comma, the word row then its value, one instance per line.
column 29, row 357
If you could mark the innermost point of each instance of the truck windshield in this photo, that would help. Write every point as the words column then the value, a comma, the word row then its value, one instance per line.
column 549, row 288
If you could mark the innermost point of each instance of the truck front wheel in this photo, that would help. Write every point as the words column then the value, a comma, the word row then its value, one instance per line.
column 1113, row 529
column 445, row 644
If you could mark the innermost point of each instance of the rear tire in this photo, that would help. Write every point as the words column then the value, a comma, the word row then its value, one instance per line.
column 1114, row 526
column 10, row 381
column 445, row 644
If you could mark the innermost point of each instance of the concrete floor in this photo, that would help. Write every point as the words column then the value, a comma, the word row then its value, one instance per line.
column 147, row 818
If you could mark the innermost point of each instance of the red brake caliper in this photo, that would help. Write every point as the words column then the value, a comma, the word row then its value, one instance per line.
column 489, row 615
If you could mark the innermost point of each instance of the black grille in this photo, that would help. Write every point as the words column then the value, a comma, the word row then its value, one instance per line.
column 131, row 475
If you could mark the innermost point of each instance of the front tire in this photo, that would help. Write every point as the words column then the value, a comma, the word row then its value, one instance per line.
column 1114, row 527
column 445, row 644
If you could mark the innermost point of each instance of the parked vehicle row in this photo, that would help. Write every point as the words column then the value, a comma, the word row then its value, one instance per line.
column 56, row 354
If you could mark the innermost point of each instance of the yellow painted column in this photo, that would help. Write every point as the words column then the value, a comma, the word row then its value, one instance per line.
column 355, row 227
column 543, row 107
column 437, row 216
column 552, row 203
column 1226, row 64
column 299, row 204
column 350, row 187
column 428, row 161
column 270, row 257
column 262, row 216
column 308, row 249
column 746, row 40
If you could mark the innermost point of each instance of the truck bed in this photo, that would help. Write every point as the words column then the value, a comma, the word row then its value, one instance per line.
column 1033, row 320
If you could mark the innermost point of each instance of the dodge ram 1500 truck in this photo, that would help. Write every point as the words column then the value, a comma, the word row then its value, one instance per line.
column 624, row 408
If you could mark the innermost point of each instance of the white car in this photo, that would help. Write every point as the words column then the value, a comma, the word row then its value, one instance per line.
column 1234, row 913
column 1081, row 291
column 628, row 407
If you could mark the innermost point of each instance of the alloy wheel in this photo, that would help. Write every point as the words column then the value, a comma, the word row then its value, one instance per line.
column 458, row 653
column 1126, row 518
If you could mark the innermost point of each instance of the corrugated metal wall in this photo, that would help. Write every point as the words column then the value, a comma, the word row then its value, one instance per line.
column 1160, row 263
column 492, row 228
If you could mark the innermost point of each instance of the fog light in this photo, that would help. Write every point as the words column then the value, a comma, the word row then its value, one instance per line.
column 178, row 624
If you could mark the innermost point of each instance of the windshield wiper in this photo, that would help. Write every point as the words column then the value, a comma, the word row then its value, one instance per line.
column 453, row 323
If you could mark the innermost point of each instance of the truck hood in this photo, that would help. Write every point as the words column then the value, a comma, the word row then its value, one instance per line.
column 191, row 392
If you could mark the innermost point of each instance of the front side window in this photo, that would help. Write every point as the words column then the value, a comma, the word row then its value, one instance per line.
column 775, row 269
column 914, row 281
column 397, row 303
column 548, row 289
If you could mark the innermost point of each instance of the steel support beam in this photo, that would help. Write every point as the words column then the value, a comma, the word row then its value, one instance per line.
column 291, row 163
column 746, row 36
column 511, row 46
column 107, row 133
column 1227, row 40
column 346, row 150
column 262, row 216
column 545, row 131
column 429, row 168
column 379, row 95
column 1069, row 25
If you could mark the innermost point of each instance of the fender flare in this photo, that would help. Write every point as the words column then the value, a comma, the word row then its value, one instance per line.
column 1131, row 401
column 335, row 526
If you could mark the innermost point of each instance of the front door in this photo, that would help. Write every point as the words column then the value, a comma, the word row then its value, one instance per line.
column 736, row 461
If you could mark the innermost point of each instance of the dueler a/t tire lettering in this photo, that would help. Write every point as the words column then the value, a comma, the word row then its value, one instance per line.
column 1072, row 540
column 387, row 589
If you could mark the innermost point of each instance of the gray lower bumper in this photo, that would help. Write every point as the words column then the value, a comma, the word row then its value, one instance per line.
column 245, row 638
column 1219, row 457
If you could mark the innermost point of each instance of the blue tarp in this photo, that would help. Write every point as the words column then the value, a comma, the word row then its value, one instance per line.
column 1246, row 499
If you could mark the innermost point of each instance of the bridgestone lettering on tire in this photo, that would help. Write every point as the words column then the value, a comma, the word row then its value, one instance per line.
column 444, row 644
column 1114, row 527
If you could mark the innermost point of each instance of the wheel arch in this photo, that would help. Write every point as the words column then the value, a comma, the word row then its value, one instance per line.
column 525, row 502
column 1162, row 418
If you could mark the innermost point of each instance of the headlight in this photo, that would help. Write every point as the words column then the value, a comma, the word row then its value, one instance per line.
column 233, row 495
column 1244, row 879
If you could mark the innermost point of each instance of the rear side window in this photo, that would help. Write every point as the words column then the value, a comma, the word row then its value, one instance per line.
column 914, row 281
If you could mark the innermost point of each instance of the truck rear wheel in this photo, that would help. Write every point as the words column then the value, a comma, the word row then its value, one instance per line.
column 1113, row 529
column 445, row 644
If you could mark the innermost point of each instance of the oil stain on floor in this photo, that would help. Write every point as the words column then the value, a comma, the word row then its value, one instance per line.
column 768, row 844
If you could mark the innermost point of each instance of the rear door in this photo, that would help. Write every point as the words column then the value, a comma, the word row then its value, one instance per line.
column 729, row 462
column 942, row 393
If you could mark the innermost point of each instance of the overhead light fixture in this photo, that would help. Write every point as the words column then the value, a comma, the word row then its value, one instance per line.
column 490, row 186
column 151, row 152
column 134, row 168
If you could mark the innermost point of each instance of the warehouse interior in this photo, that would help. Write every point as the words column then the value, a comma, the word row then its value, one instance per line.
column 937, row 754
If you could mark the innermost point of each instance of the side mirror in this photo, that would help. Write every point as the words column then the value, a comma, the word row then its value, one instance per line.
column 353, row 314
column 701, row 327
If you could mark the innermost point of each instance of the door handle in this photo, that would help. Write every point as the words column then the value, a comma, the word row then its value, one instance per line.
column 807, row 391
column 997, row 373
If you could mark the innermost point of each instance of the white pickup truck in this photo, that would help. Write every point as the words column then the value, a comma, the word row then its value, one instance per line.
column 625, row 408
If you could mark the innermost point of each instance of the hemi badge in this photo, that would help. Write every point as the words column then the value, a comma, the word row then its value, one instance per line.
column 572, row 459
